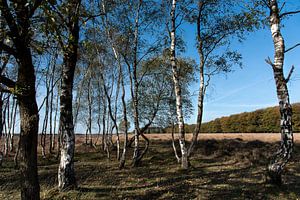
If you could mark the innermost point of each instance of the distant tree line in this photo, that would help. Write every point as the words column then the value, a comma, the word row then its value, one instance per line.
column 259, row 121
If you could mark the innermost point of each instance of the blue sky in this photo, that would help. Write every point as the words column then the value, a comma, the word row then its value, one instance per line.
column 251, row 87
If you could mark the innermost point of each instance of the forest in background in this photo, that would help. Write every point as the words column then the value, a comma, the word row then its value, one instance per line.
column 259, row 121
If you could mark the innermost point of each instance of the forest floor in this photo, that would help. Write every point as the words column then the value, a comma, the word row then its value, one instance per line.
column 222, row 168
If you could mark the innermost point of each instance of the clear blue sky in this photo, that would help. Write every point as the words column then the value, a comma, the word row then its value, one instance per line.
column 252, row 87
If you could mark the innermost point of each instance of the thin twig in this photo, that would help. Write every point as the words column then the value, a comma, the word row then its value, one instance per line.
column 290, row 74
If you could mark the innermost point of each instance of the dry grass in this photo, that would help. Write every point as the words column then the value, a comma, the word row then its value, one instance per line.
column 221, row 169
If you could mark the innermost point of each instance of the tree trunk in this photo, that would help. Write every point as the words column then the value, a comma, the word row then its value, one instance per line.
column 66, row 172
column 55, row 124
column 1, row 123
column 103, row 124
column 90, row 104
column 29, row 117
column 202, row 86
column 123, row 157
column 134, row 93
column 281, row 158
column 52, row 85
column 45, row 122
column 184, row 153
column 13, row 123
column 173, row 143
column 1, row 115
column 16, row 157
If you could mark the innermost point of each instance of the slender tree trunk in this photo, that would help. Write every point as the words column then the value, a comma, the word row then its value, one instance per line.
column 13, row 123
column 202, row 85
column 173, row 143
column 123, row 156
column 184, row 153
column 281, row 158
column 55, row 123
column 5, row 124
column 108, row 97
column 134, row 93
column 115, row 116
column 52, row 85
column 16, row 157
column 66, row 171
column 90, row 103
column 1, row 115
column 103, row 125
column 45, row 122
column 1, row 123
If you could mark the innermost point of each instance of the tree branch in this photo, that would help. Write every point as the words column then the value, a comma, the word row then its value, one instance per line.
column 282, row 7
column 4, row 90
column 4, row 64
column 7, row 82
column 93, row 17
column 293, row 47
column 9, row 19
column 268, row 60
column 7, row 49
column 289, row 13
column 290, row 74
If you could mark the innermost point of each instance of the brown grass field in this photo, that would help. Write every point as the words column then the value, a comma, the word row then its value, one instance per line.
column 224, row 166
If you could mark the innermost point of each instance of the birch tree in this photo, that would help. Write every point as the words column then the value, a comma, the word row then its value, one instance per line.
column 217, row 23
column 132, row 21
column 63, row 19
column 177, row 88
column 283, row 155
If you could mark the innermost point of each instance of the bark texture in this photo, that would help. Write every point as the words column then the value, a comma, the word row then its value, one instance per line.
column 180, row 119
column 29, row 131
column 18, row 19
column 283, row 155
column 66, row 172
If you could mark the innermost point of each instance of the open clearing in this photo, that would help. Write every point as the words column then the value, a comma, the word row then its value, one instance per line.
column 224, row 166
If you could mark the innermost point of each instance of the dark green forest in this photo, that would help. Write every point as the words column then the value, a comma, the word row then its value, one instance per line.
column 260, row 121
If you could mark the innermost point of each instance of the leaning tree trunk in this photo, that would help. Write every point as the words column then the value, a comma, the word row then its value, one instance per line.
column 184, row 153
column 202, row 86
column 66, row 172
column 281, row 158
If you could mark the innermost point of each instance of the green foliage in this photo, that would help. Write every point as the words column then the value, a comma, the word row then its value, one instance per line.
column 157, row 101
column 260, row 121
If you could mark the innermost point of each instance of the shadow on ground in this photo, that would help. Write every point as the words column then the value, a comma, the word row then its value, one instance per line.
column 227, row 169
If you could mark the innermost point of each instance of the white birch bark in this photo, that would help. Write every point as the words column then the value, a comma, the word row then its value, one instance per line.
column 281, row 158
column 179, row 111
